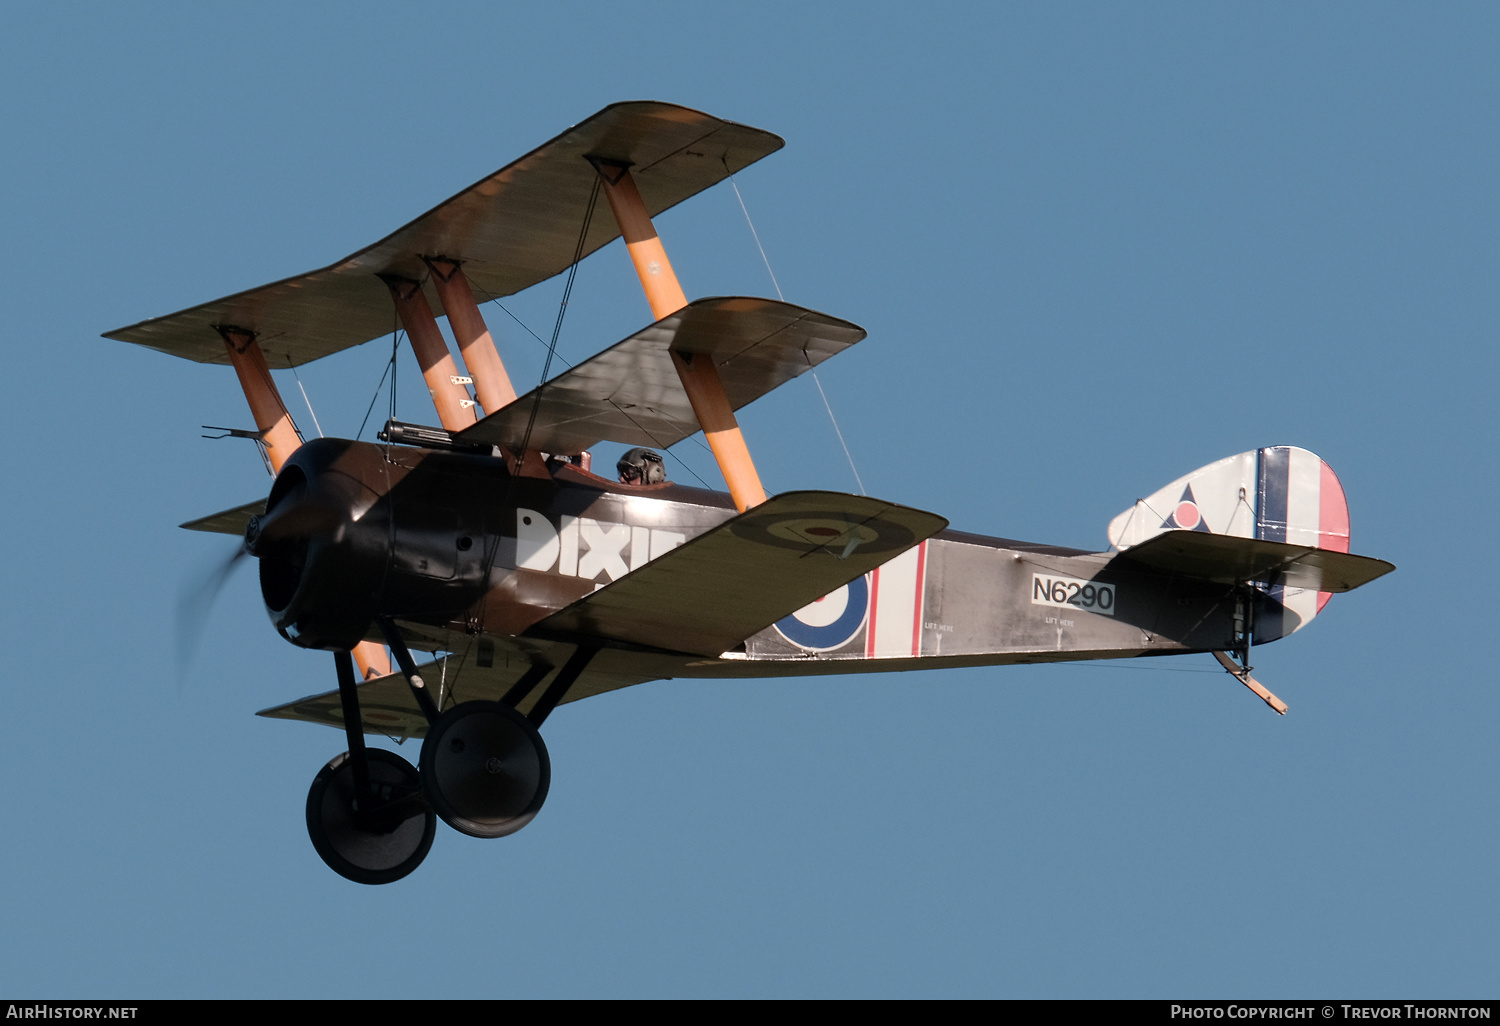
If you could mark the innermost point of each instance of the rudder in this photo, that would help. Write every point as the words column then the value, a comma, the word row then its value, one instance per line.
column 1278, row 493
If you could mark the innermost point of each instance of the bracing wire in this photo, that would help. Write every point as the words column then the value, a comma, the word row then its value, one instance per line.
column 654, row 441
column 562, row 309
column 1116, row 664
column 526, row 327
column 755, row 235
column 395, row 348
column 373, row 399
column 777, row 285
column 301, row 388
column 665, row 449
column 390, row 370
column 857, row 479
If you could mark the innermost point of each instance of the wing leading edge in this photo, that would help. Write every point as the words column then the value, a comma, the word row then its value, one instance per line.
column 511, row 230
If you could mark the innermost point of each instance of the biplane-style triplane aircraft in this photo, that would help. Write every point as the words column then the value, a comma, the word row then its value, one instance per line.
column 490, row 540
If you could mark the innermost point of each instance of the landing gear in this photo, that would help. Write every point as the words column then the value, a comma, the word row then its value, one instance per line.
column 1244, row 637
column 1242, row 674
column 377, row 835
column 485, row 769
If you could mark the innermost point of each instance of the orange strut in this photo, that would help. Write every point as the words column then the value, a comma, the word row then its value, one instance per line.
column 492, row 385
column 454, row 408
column 699, row 375
column 277, row 432
column 705, row 390
column 280, row 438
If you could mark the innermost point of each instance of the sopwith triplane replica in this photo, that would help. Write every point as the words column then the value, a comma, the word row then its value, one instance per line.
column 489, row 539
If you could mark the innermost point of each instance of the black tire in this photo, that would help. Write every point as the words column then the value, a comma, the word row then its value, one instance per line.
column 357, row 850
column 485, row 769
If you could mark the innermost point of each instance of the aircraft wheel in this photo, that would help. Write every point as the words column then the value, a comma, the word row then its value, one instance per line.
column 368, row 847
column 485, row 769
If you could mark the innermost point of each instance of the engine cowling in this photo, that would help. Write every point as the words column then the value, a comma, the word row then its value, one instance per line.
column 354, row 531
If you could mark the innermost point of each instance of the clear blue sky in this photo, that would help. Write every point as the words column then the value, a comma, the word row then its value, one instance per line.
column 1095, row 246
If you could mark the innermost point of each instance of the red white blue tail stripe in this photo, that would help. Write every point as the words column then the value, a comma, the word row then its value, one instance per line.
column 1279, row 493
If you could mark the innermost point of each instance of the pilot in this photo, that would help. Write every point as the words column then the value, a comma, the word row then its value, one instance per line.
column 641, row 467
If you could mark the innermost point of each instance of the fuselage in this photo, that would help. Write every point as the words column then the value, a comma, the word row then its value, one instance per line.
column 463, row 545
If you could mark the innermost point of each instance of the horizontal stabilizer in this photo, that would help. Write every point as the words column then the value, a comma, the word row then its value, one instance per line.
column 229, row 521
column 1279, row 494
column 1225, row 559
column 631, row 392
column 513, row 229
column 723, row 586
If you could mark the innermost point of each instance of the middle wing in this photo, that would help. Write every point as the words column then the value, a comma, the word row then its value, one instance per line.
column 630, row 393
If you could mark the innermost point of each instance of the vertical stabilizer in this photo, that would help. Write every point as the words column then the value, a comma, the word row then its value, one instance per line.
column 1280, row 493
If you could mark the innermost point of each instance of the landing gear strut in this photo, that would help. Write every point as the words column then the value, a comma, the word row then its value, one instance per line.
column 485, row 771
column 1244, row 636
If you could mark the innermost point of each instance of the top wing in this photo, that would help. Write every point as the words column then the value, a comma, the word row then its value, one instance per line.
column 1226, row 559
column 511, row 230
column 739, row 578
column 631, row 392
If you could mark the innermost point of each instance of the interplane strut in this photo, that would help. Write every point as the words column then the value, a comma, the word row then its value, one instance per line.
column 700, row 378
column 279, row 438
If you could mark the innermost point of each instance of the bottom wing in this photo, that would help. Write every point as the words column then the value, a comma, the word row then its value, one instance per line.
column 702, row 598
column 229, row 521
column 723, row 586
column 483, row 672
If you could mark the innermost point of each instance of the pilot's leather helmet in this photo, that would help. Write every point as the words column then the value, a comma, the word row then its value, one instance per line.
column 641, row 467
